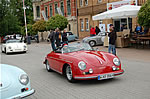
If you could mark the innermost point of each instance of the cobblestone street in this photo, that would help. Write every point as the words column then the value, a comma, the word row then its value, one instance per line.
column 133, row 84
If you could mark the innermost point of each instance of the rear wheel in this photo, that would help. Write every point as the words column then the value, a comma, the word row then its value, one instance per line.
column 69, row 74
column 2, row 50
column 48, row 66
column 6, row 51
column 92, row 43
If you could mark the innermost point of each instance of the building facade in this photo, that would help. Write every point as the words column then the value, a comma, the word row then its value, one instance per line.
column 88, row 8
column 45, row 9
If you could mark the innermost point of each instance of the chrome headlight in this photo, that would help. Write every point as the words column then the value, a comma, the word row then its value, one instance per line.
column 82, row 65
column 24, row 79
column 9, row 47
column 116, row 61
column 25, row 46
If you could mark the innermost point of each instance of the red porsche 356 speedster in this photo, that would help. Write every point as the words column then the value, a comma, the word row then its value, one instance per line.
column 78, row 61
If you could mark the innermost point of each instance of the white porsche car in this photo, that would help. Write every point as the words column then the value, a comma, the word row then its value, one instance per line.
column 14, row 83
column 13, row 45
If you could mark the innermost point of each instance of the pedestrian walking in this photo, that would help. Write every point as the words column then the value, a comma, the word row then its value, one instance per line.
column 64, row 37
column 97, row 30
column 92, row 32
column 58, row 38
column 112, row 40
column 52, row 39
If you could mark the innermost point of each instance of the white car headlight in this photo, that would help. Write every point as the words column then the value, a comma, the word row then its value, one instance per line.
column 82, row 65
column 24, row 79
column 9, row 47
column 116, row 61
column 25, row 46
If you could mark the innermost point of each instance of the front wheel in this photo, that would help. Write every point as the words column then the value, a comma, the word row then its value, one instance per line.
column 69, row 74
column 92, row 43
column 6, row 51
column 48, row 66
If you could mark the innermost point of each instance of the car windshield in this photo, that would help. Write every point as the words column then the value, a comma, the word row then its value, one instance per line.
column 76, row 47
column 13, row 41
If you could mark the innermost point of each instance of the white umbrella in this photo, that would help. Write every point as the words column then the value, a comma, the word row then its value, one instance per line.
column 120, row 12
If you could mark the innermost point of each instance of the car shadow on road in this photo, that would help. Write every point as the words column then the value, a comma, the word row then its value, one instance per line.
column 15, row 53
column 85, row 82
column 95, row 81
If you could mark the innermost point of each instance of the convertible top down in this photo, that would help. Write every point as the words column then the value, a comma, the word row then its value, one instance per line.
column 78, row 61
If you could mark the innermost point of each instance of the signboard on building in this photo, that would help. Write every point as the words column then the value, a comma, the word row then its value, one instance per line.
column 44, row 16
column 102, row 27
column 113, row 5
column 59, row 11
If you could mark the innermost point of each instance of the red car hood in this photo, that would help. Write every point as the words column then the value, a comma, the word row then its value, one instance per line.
column 93, row 58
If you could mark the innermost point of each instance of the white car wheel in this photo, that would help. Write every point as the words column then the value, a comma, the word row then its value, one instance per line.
column 48, row 66
column 92, row 43
column 69, row 74
column 6, row 51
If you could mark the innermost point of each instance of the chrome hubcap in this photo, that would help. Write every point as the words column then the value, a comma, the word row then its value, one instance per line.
column 69, row 72
column 92, row 43
column 47, row 65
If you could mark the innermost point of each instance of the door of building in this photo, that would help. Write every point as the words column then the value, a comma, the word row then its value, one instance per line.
column 117, row 25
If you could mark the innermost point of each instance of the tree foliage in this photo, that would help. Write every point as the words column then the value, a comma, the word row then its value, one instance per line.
column 39, row 26
column 12, row 15
column 144, row 15
column 57, row 21
column 30, row 31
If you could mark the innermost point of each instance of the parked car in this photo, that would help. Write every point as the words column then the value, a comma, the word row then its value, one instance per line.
column 13, row 45
column 78, row 61
column 95, row 40
column 71, row 36
column 15, row 83
column 5, row 39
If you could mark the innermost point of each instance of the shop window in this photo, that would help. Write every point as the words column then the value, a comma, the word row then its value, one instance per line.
column 68, row 7
column 81, row 25
column 81, row 2
column 87, row 24
column 37, row 11
column 51, row 10
column 86, row 2
column 62, row 7
column 46, row 12
column 56, row 12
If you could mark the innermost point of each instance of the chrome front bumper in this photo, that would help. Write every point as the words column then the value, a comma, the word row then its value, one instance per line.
column 22, row 95
column 94, row 76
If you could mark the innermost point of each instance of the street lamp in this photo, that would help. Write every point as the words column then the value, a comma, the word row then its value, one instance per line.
column 24, row 8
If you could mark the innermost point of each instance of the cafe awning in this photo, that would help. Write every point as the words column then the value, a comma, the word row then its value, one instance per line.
column 120, row 12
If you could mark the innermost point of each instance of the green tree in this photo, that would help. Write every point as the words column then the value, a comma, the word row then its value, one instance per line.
column 39, row 26
column 144, row 15
column 9, row 23
column 57, row 21
column 29, row 30
column 12, row 15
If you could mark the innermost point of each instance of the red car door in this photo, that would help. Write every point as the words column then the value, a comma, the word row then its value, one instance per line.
column 55, row 61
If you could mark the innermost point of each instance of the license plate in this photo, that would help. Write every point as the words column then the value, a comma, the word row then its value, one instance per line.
column 105, row 76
